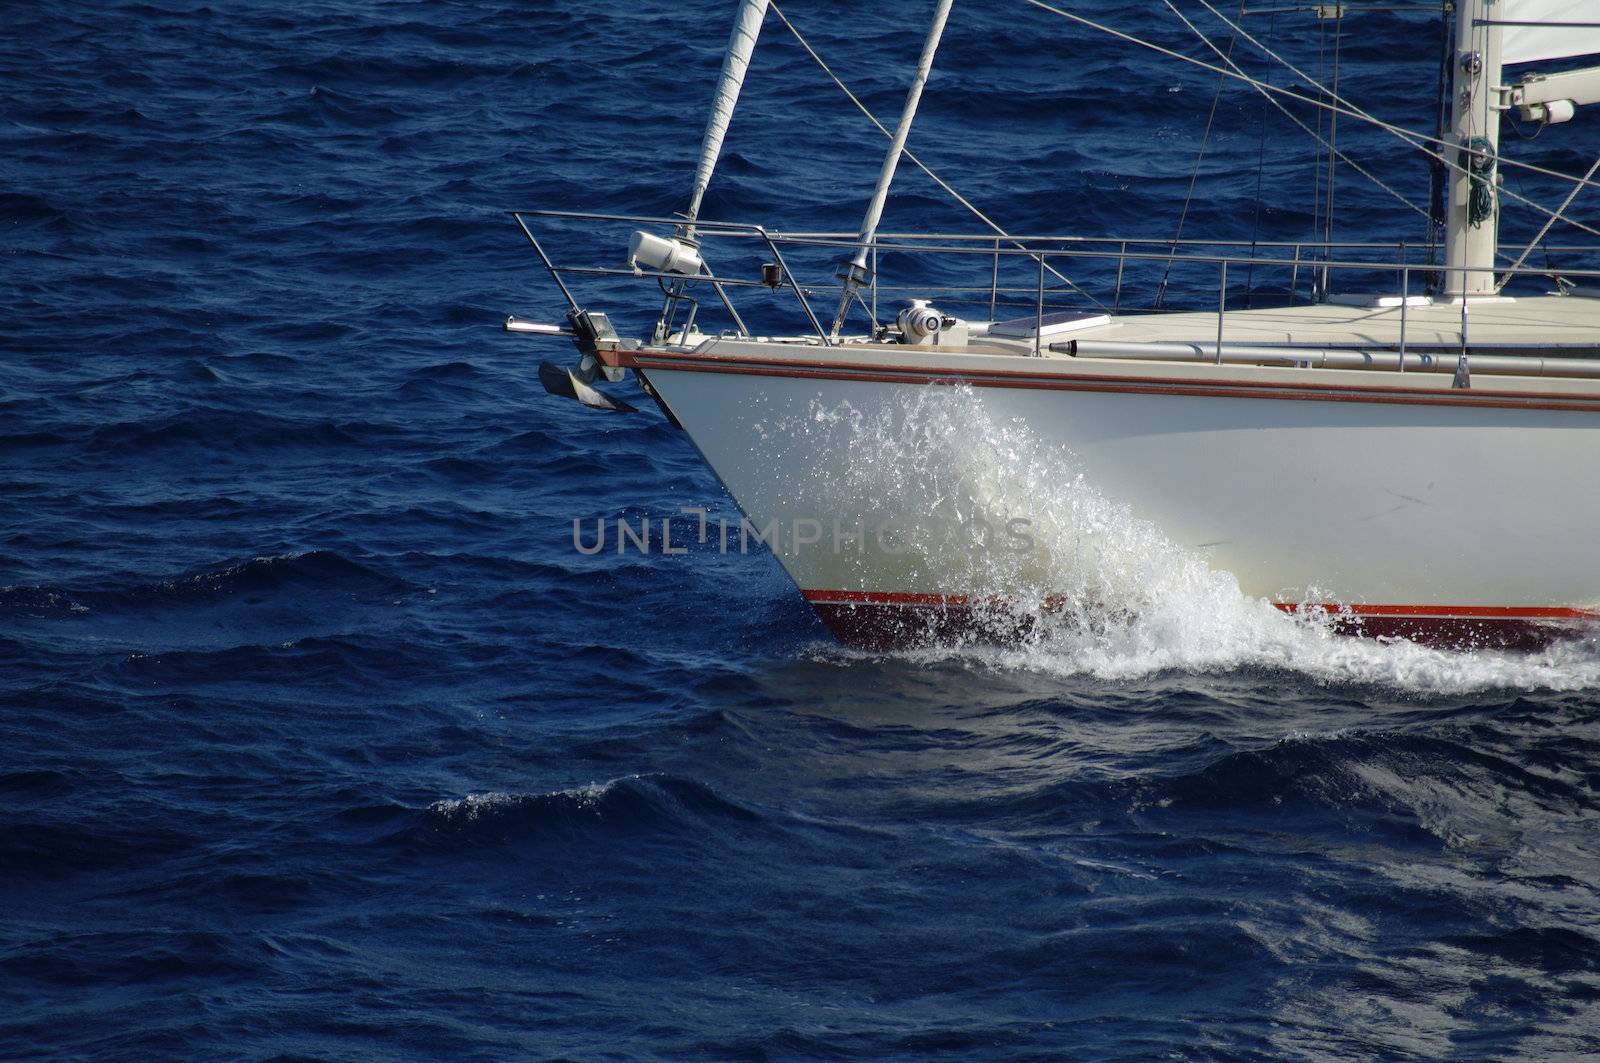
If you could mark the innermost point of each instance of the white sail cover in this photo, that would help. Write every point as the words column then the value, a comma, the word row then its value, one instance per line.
column 1554, row 36
column 746, row 28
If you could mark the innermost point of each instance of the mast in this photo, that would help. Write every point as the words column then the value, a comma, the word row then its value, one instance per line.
column 746, row 28
column 853, row 271
column 1472, row 224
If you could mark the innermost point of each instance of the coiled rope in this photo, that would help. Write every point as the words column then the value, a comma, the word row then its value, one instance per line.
column 1477, row 158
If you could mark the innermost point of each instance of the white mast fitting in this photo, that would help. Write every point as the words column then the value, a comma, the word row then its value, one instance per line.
column 1536, row 30
column 1552, row 98
column 853, row 271
column 1471, row 227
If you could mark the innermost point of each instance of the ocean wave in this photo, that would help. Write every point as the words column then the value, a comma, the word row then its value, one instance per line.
column 312, row 569
column 132, row 957
column 636, row 804
column 258, row 274
column 1424, row 792
column 309, row 571
column 240, row 432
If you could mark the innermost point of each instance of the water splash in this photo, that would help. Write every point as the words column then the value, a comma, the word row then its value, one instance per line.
column 1100, row 591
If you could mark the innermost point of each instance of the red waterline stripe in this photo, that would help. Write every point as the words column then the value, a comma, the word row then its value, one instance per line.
column 1450, row 612
column 885, row 597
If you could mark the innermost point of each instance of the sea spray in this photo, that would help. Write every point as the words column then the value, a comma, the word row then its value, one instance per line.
column 1099, row 591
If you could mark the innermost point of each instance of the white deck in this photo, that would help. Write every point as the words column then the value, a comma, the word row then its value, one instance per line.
column 1554, row 324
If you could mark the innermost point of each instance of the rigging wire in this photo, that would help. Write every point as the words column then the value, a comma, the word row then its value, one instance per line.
column 1316, row 157
column 1410, row 136
column 1315, row 134
column 1261, row 169
column 1345, row 5
column 1333, row 138
column 1194, row 174
column 1272, row 99
column 957, row 196
column 1437, row 182
column 1538, row 239
column 1516, row 126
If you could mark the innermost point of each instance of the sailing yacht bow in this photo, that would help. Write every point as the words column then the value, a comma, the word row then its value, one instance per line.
column 1409, row 464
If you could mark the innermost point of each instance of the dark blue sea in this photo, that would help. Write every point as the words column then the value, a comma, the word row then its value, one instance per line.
column 319, row 741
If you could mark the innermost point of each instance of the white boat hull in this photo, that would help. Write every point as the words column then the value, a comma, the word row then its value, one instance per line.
column 1403, row 504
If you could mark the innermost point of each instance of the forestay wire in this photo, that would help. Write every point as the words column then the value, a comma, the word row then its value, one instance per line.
column 957, row 196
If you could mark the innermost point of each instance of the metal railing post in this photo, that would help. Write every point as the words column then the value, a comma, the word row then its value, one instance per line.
column 1294, row 277
column 994, row 279
column 1038, row 331
column 1405, row 302
column 1122, row 258
column 795, row 284
column 874, row 282
column 1222, row 308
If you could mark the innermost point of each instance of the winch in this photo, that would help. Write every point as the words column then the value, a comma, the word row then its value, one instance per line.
column 923, row 325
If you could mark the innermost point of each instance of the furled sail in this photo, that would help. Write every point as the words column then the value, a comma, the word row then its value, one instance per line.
column 1548, row 29
column 746, row 28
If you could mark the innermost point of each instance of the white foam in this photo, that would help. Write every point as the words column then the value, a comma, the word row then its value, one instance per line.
column 1130, row 601
column 473, row 807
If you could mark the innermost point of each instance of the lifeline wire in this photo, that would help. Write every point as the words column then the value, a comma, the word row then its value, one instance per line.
column 1269, row 98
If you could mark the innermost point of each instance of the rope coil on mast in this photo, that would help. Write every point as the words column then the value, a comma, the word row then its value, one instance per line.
column 1477, row 157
